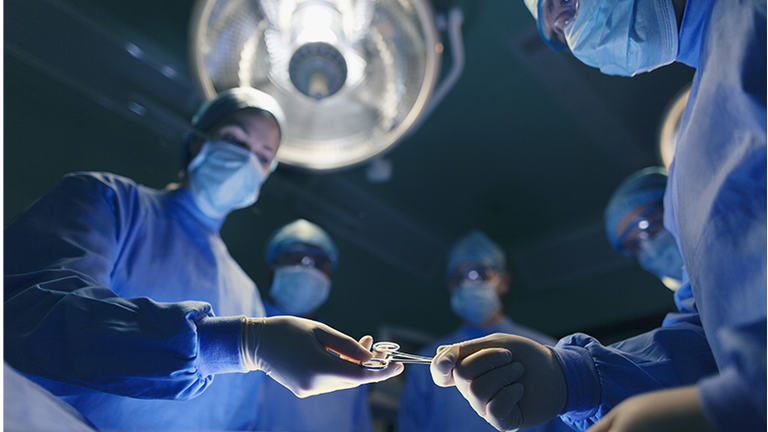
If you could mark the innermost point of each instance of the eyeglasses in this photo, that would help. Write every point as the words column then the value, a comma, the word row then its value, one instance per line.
column 642, row 228
column 554, row 16
column 304, row 259
column 475, row 274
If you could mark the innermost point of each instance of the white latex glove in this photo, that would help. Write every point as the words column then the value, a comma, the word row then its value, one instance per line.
column 292, row 350
column 674, row 410
column 510, row 381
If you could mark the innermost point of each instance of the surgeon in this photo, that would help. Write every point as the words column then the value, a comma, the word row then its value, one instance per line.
column 124, row 301
column 301, row 258
column 477, row 278
column 634, row 224
column 705, row 369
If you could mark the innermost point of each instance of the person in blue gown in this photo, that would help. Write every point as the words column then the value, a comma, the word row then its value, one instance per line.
column 705, row 368
column 301, row 258
column 634, row 225
column 477, row 278
column 124, row 301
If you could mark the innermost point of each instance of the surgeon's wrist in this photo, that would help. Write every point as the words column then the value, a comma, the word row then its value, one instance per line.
column 249, row 342
column 219, row 345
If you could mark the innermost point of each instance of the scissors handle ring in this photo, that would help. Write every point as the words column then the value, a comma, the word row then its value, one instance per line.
column 386, row 347
column 375, row 364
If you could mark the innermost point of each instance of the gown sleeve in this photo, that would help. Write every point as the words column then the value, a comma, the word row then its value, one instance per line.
column 600, row 377
column 62, row 322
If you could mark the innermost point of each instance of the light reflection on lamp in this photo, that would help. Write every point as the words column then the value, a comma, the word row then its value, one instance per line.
column 353, row 76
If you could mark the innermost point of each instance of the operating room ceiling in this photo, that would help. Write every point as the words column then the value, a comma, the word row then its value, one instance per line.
column 527, row 147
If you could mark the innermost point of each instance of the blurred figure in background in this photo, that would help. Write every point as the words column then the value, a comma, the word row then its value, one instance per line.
column 634, row 224
column 301, row 258
column 477, row 278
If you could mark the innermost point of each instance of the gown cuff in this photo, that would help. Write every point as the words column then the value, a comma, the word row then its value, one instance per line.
column 220, row 345
column 582, row 380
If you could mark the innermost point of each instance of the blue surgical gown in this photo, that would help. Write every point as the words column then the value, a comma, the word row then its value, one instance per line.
column 425, row 407
column 339, row 411
column 715, row 205
column 124, row 301
column 29, row 407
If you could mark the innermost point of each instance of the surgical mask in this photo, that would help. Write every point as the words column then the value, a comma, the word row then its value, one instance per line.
column 623, row 37
column 299, row 290
column 224, row 177
column 659, row 255
column 476, row 303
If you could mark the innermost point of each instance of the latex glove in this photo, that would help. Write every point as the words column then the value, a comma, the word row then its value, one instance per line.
column 292, row 350
column 674, row 410
column 510, row 381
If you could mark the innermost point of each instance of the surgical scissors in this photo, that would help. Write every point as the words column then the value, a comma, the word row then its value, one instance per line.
column 392, row 354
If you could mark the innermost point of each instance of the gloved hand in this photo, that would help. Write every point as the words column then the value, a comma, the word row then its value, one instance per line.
column 293, row 351
column 510, row 381
column 674, row 410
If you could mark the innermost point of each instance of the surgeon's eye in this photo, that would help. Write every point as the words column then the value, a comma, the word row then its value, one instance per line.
column 263, row 159
column 235, row 141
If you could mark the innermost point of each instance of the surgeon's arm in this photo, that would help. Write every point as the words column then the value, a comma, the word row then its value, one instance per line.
column 63, row 323
column 596, row 377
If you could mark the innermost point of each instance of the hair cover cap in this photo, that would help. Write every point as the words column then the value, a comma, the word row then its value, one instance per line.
column 295, row 237
column 533, row 7
column 228, row 101
column 476, row 247
column 644, row 187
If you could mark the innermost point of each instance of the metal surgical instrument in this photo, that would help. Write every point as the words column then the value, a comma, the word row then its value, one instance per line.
column 391, row 353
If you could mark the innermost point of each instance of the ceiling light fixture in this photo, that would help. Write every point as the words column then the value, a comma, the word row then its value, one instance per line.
column 353, row 76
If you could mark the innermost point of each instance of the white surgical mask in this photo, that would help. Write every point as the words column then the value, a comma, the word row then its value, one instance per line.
column 624, row 37
column 299, row 290
column 224, row 177
column 659, row 255
column 476, row 303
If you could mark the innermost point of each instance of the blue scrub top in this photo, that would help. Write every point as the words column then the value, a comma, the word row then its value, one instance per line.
column 111, row 292
column 715, row 205
column 425, row 407
column 340, row 411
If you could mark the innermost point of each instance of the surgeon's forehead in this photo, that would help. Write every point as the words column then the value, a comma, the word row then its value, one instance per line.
column 246, row 118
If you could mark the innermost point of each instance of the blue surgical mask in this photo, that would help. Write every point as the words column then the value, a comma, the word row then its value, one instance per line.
column 623, row 37
column 299, row 290
column 224, row 177
column 476, row 303
column 659, row 255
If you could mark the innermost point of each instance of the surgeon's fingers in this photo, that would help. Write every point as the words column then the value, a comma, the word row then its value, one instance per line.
column 483, row 374
column 487, row 387
column 503, row 411
column 366, row 341
column 342, row 344
column 482, row 361
column 442, row 365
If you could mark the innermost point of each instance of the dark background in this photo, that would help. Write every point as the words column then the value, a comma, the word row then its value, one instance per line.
column 527, row 147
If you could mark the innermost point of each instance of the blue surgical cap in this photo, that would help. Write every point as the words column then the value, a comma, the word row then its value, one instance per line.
column 476, row 247
column 229, row 101
column 639, row 189
column 301, row 236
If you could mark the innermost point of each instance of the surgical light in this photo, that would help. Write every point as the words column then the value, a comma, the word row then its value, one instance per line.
column 353, row 76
